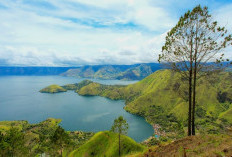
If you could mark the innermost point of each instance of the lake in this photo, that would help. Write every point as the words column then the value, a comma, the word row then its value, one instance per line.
column 20, row 99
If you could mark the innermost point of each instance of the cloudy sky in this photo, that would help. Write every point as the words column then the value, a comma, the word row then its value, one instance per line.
column 80, row 32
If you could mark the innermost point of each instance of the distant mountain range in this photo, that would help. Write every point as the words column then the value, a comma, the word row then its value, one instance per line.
column 33, row 70
column 120, row 72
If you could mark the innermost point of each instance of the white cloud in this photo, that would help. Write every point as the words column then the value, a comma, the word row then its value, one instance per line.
column 151, row 16
column 23, row 56
column 85, row 32
column 223, row 16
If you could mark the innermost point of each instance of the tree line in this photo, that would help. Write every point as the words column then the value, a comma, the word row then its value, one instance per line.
column 14, row 142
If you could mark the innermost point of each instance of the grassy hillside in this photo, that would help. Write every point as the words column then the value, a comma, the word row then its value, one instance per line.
column 106, row 144
column 195, row 146
column 162, row 99
column 53, row 89
column 77, row 86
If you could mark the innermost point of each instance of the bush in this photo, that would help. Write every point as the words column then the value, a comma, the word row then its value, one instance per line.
column 200, row 112
column 153, row 141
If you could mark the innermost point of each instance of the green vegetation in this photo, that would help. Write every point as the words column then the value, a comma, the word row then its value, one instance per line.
column 194, row 146
column 60, row 139
column 19, row 138
column 53, row 89
column 6, row 125
column 77, row 86
column 161, row 98
column 12, row 143
column 106, row 144
column 112, row 92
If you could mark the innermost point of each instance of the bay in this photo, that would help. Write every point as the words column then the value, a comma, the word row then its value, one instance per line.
column 20, row 99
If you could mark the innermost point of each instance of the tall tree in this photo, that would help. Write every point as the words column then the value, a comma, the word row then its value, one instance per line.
column 120, row 126
column 195, row 41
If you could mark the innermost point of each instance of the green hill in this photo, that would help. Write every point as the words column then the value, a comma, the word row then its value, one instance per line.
column 162, row 99
column 77, row 86
column 106, row 144
column 53, row 89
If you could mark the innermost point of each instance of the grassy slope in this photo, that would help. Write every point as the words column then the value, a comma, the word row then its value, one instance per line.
column 77, row 86
column 106, row 144
column 161, row 98
column 195, row 146
column 53, row 89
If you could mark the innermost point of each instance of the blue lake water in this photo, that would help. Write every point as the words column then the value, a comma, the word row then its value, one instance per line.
column 20, row 99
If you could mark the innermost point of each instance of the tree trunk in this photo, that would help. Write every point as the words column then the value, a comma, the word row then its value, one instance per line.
column 190, row 94
column 194, row 101
column 194, row 84
column 190, row 104
column 194, row 90
column 119, row 145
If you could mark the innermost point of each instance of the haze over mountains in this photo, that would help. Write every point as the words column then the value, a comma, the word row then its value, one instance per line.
column 125, row 72
column 32, row 70
column 121, row 72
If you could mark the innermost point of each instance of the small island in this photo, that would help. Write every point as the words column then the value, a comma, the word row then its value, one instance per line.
column 53, row 89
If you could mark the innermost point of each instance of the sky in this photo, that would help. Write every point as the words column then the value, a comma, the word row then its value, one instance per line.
column 93, row 32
